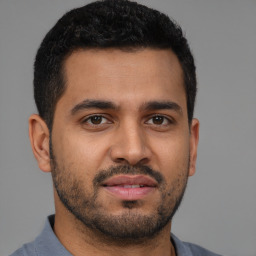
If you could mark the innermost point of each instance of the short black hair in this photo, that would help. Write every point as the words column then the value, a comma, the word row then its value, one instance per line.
column 121, row 24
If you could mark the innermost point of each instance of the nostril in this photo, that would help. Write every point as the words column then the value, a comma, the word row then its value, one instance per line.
column 130, row 152
column 121, row 160
column 126, row 162
column 143, row 161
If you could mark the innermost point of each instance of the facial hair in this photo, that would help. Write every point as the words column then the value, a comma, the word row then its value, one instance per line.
column 131, row 225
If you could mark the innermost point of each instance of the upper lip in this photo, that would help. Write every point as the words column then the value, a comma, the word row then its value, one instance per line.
column 130, row 180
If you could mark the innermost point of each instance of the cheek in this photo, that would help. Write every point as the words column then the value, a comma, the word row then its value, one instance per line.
column 80, row 153
column 173, row 156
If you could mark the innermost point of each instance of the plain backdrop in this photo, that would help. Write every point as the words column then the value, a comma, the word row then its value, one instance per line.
column 219, row 208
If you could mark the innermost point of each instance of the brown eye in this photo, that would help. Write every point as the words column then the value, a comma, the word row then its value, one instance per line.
column 158, row 120
column 96, row 119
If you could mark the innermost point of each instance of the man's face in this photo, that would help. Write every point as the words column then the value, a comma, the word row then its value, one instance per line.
column 121, row 145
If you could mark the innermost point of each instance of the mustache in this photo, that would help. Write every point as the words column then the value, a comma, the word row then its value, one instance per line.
column 127, row 169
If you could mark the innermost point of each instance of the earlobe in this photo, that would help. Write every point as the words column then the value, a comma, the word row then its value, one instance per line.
column 39, row 139
column 194, row 138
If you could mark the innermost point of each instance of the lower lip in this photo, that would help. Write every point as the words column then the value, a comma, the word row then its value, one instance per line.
column 129, row 193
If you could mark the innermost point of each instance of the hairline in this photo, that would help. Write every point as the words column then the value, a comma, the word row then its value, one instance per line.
column 62, row 74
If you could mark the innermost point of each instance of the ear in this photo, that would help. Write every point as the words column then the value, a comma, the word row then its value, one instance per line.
column 39, row 138
column 194, row 137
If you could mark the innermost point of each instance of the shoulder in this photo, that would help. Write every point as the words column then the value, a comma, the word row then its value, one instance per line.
column 199, row 251
column 189, row 249
column 26, row 250
column 46, row 243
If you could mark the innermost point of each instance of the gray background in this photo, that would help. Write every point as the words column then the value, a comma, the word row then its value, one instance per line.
column 219, row 208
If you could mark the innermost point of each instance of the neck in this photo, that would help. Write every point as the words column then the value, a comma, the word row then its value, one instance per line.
column 78, row 239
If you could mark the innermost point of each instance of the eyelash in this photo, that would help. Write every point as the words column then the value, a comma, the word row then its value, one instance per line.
column 86, row 120
column 165, row 119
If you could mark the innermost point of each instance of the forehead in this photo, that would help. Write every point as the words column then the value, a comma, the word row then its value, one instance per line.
column 122, row 76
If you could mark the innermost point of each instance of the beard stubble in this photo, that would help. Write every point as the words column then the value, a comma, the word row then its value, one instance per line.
column 131, row 226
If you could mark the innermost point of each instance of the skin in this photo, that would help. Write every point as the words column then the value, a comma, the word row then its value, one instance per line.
column 127, row 135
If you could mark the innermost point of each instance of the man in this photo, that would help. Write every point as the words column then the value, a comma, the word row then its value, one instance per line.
column 115, row 87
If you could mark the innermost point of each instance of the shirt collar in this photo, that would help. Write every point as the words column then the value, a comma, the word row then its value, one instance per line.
column 180, row 248
column 48, row 244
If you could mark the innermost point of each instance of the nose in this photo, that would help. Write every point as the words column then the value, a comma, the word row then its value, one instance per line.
column 130, row 146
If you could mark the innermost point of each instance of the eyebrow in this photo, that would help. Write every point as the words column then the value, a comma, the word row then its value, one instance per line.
column 88, row 104
column 102, row 104
column 157, row 105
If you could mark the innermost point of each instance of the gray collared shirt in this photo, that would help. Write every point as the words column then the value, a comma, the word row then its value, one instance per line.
column 47, row 244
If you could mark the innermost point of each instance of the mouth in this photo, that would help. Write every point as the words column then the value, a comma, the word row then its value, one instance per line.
column 130, row 188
